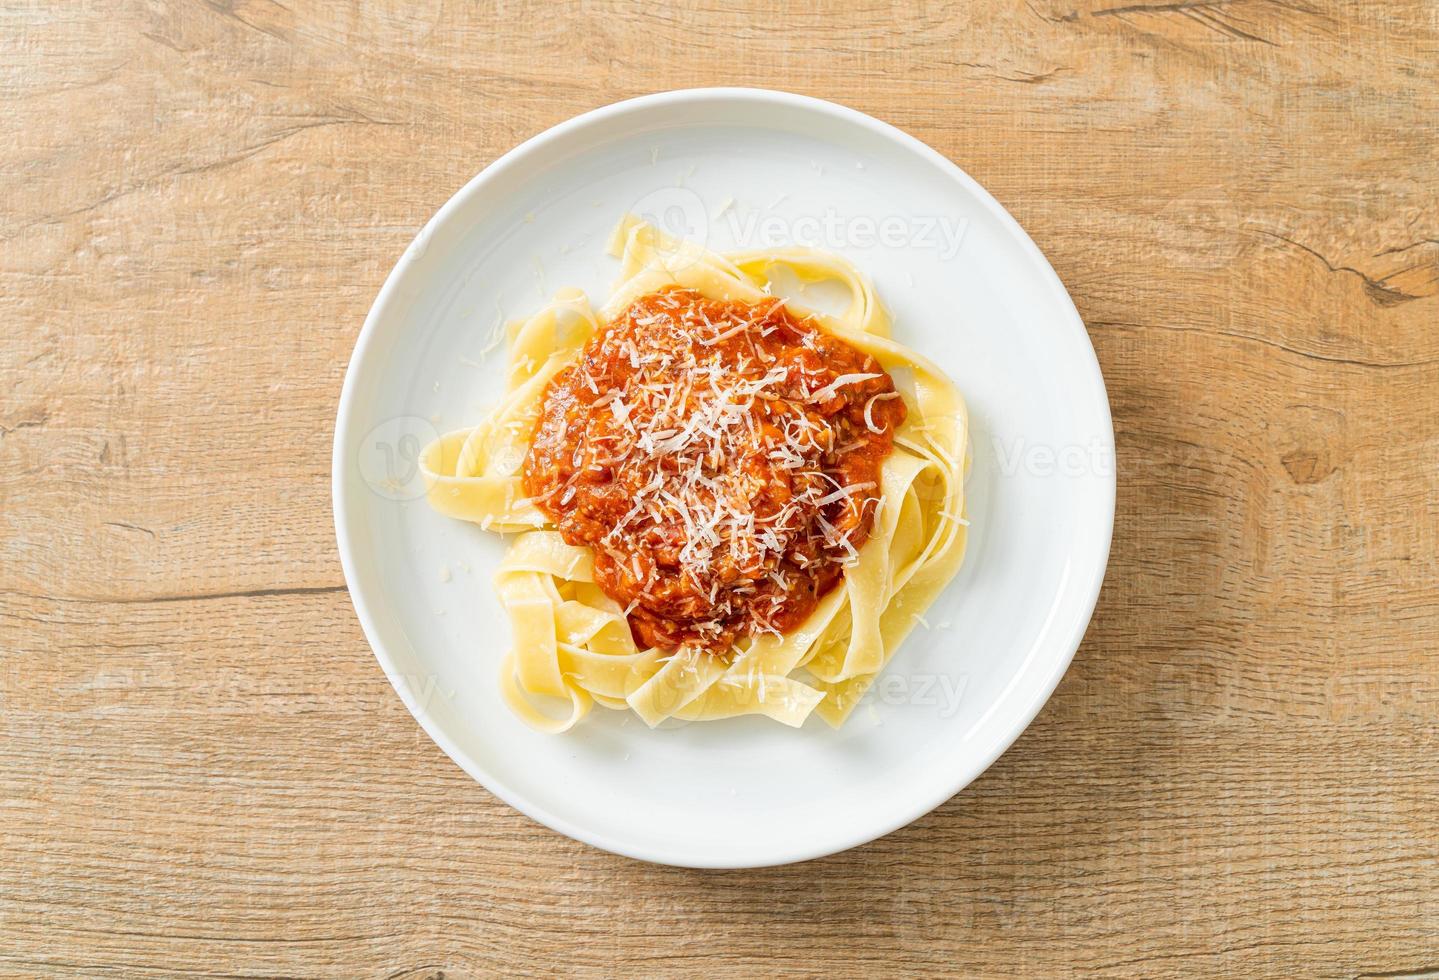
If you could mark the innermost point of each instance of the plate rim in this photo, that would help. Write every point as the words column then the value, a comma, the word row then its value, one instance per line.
column 341, row 487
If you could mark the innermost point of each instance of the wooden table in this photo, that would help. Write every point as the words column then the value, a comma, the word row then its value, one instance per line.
column 203, row 769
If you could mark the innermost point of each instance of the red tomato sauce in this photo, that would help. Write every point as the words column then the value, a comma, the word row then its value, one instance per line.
column 721, row 459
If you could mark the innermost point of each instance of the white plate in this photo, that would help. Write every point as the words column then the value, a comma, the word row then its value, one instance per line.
column 966, row 286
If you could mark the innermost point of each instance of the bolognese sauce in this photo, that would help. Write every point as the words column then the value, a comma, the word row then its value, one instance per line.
column 721, row 459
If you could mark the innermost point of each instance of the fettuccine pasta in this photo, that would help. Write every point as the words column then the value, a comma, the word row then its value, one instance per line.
column 574, row 644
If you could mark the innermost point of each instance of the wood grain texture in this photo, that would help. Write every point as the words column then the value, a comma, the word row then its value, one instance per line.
column 202, row 769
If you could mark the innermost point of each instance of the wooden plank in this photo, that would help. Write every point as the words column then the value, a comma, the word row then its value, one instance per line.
column 203, row 771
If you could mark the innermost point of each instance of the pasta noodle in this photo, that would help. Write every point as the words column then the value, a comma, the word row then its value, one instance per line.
column 573, row 645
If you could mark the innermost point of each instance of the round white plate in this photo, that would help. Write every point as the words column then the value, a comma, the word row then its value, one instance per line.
column 734, row 168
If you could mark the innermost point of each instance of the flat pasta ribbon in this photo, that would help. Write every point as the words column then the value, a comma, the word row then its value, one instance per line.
column 572, row 645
